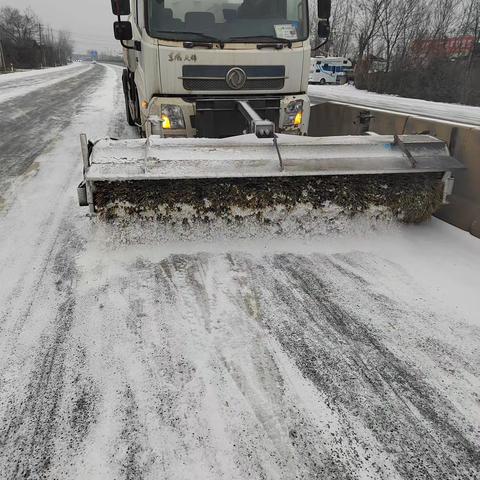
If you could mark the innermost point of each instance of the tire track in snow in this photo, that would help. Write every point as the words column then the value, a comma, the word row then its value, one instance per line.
column 32, row 429
column 196, row 422
column 48, row 396
column 348, row 361
column 263, row 363
column 232, row 366
column 45, row 240
column 187, row 333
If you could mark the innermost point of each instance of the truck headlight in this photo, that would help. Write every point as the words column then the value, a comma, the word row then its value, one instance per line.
column 172, row 118
column 294, row 113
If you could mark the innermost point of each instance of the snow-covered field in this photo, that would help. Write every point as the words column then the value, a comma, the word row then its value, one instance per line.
column 441, row 111
column 127, row 355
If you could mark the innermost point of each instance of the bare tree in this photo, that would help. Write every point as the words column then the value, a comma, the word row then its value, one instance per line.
column 400, row 23
column 471, row 26
column 443, row 17
column 20, row 26
column 368, row 23
column 343, row 25
column 27, row 43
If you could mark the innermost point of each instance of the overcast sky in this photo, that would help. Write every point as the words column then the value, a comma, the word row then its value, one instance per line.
column 89, row 21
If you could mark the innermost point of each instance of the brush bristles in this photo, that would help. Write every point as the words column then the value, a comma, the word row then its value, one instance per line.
column 412, row 198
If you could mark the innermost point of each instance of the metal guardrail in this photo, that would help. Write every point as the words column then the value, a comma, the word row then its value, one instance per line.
column 463, row 211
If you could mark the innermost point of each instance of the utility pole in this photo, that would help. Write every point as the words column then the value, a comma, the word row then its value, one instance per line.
column 3, row 65
column 42, row 51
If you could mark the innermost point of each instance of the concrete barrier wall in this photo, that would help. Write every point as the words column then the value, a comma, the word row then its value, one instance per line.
column 464, row 142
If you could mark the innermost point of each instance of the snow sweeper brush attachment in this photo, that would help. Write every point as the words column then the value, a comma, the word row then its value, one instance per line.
column 203, row 179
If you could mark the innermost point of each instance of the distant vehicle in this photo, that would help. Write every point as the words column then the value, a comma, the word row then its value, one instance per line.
column 325, row 70
column 93, row 54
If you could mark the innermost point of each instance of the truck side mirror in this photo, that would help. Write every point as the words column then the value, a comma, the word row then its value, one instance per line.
column 324, row 8
column 121, row 7
column 324, row 28
column 122, row 30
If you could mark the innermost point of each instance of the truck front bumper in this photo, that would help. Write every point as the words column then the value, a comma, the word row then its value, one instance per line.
column 219, row 117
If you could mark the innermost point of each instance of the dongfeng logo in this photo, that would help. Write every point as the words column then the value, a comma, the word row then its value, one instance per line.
column 236, row 78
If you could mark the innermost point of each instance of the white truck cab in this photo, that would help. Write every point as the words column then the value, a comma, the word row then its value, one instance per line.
column 189, row 63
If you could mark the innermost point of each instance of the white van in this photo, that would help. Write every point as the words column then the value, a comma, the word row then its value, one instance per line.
column 325, row 70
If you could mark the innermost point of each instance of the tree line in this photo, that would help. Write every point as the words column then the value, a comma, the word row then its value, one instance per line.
column 405, row 46
column 26, row 43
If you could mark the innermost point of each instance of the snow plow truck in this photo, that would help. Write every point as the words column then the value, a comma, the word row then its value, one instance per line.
column 218, row 92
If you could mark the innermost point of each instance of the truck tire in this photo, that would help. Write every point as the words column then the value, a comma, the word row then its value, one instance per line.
column 323, row 81
column 126, row 93
column 130, row 120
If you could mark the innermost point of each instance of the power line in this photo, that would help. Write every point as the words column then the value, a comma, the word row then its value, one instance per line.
column 104, row 42
column 89, row 35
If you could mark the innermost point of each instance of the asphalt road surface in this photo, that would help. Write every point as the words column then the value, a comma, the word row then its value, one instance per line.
column 126, row 356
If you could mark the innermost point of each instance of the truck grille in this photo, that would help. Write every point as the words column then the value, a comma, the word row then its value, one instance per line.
column 209, row 85
column 213, row 77
column 220, row 117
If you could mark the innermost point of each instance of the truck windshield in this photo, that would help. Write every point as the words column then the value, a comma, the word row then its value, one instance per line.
column 236, row 20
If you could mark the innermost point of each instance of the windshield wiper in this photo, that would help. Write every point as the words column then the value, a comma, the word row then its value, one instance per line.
column 193, row 43
column 255, row 38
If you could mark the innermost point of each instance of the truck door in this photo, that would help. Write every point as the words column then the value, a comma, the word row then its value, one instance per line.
column 139, row 26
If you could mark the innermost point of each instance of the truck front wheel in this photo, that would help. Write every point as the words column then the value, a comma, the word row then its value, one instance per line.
column 126, row 92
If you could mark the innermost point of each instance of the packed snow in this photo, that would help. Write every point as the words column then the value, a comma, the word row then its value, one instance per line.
column 131, row 352
column 466, row 115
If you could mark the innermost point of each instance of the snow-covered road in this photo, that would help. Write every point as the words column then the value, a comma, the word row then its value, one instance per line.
column 449, row 112
column 36, row 108
column 22, row 83
column 127, row 356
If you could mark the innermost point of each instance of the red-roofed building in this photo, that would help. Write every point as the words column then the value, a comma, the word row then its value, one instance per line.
column 455, row 47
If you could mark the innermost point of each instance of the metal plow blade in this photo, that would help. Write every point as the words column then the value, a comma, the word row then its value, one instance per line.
column 246, row 176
